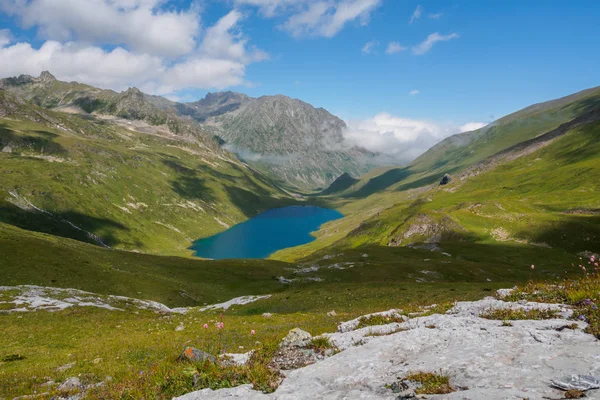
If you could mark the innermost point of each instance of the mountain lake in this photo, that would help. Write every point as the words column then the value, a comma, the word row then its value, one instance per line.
column 263, row 235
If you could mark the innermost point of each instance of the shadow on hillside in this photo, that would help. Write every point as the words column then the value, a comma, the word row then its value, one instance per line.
column 44, row 143
column 574, row 233
column 60, row 224
column 588, row 105
column 187, row 184
column 463, row 261
column 587, row 145
column 381, row 182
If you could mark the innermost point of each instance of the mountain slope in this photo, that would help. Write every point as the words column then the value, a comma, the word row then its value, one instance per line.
column 546, row 197
column 120, row 183
column 290, row 140
column 341, row 183
column 456, row 153
column 529, row 181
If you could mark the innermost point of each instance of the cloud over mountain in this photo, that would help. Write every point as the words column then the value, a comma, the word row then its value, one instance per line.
column 400, row 139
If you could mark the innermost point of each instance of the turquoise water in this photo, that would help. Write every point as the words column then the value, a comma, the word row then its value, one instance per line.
column 266, row 233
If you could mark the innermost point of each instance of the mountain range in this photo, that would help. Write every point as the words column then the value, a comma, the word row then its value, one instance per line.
column 292, row 142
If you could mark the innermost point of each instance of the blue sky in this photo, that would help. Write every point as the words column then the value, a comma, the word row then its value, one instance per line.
column 496, row 56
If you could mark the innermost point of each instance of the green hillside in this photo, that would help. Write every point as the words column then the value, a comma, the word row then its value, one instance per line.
column 545, row 199
column 127, row 185
column 458, row 152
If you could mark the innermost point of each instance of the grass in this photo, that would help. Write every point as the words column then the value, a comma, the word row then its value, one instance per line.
column 139, row 351
column 375, row 320
column 38, row 259
column 508, row 314
column 580, row 291
column 320, row 344
column 377, row 334
column 431, row 383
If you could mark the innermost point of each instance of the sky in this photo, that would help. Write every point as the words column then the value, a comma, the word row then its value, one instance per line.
column 403, row 74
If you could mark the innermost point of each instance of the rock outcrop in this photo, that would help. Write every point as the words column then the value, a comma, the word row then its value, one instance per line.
column 484, row 359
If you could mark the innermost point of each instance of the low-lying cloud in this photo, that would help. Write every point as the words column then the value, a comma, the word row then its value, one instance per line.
column 399, row 139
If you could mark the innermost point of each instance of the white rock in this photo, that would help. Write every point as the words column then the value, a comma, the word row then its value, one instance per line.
column 295, row 337
column 235, row 301
column 353, row 324
column 491, row 360
column 70, row 384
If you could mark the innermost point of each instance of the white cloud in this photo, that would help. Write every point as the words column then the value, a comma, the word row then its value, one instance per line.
column 432, row 39
column 202, row 73
column 399, row 139
column 435, row 16
column 324, row 18
column 219, row 63
column 5, row 37
column 270, row 8
column 87, row 64
column 347, row 11
column 225, row 41
column 394, row 47
column 416, row 14
column 370, row 46
column 140, row 25
column 471, row 126
column 414, row 92
column 308, row 21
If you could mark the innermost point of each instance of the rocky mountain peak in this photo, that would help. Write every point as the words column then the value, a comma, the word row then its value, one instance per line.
column 46, row 77
column 133, row 92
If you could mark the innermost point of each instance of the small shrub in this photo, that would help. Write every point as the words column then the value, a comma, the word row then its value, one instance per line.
column 431, row 383
column 374, row 320
column 375, row 334
column 13, row 357
column 574, row 394
column 320, row 344
column 520, row 314
column 506, row 323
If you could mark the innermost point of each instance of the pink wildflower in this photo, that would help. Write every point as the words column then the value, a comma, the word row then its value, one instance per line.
column 252, row 332
column 220, row 325
column 532, row 266
column 205, row 326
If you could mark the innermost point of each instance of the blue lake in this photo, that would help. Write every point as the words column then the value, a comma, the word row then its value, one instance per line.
column 266, row 233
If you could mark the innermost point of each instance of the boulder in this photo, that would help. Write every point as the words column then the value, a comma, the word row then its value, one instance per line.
column 296, row 338
column 446, row 179
column 70, row 384
column 192, row 354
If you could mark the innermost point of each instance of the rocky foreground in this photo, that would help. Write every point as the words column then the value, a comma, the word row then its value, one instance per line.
column 484, row 359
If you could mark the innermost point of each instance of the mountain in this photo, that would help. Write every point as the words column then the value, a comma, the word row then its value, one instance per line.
column 459, row 152
column 289, row 140
column 114, row 182
column 214, row 104
column 529, row 180
column 48, row 92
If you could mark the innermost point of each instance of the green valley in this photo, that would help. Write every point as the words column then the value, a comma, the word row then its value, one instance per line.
column 97, row 199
